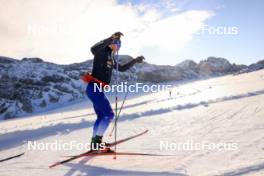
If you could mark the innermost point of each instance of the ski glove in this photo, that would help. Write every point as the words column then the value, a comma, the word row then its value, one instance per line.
column 139, row 59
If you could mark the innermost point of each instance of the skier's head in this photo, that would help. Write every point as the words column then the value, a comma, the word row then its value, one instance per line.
column 116, row 44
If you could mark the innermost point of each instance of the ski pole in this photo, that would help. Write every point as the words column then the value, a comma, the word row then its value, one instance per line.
column 118, row 115
column 116, row 99
column 121, row 108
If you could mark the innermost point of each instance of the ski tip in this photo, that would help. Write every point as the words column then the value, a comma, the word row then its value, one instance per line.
column 53, row 165
column 12, row 157
column 145, row 131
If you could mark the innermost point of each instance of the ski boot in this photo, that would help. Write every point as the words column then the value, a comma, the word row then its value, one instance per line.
column 98, row 145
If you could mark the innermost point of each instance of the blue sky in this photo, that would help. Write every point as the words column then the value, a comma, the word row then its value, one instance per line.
column 245, row 47
column 164, row 31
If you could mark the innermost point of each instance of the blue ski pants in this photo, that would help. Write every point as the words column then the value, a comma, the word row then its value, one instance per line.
column 102, row 109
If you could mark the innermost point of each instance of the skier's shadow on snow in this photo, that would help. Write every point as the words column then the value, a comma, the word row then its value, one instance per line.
column 101, row 171
column 94, row 170
column 21, row 137
column 245, row 170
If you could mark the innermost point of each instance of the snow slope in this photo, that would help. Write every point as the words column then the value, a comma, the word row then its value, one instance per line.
column 227, row 109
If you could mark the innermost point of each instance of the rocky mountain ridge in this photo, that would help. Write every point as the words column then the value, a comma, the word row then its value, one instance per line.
column 30, row 85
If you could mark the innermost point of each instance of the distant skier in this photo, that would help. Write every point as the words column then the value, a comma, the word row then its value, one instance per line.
column 103, row 65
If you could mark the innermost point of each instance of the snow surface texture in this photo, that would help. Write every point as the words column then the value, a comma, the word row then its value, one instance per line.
column 227, row 109
column 32, row 85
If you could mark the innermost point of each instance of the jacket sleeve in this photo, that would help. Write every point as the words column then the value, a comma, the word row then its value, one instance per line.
column 101, row 45
column 126, row 66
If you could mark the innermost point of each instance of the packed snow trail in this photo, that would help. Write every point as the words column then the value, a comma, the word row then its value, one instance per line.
column 227, row 109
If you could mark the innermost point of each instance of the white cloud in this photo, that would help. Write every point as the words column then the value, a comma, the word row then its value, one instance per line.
column 63, row 31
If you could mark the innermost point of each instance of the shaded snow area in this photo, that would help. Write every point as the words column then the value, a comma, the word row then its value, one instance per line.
column 226, row 110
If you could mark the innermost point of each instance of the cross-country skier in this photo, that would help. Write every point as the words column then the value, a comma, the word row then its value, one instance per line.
column 103, row 64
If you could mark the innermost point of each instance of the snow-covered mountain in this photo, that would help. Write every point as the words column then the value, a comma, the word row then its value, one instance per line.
column 31, row 85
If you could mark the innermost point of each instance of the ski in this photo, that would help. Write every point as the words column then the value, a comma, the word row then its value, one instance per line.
column 102, row 153
column 9, row 158
column 70, row 159
column 124, row 153
column 94, row 152
column 125, row 139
